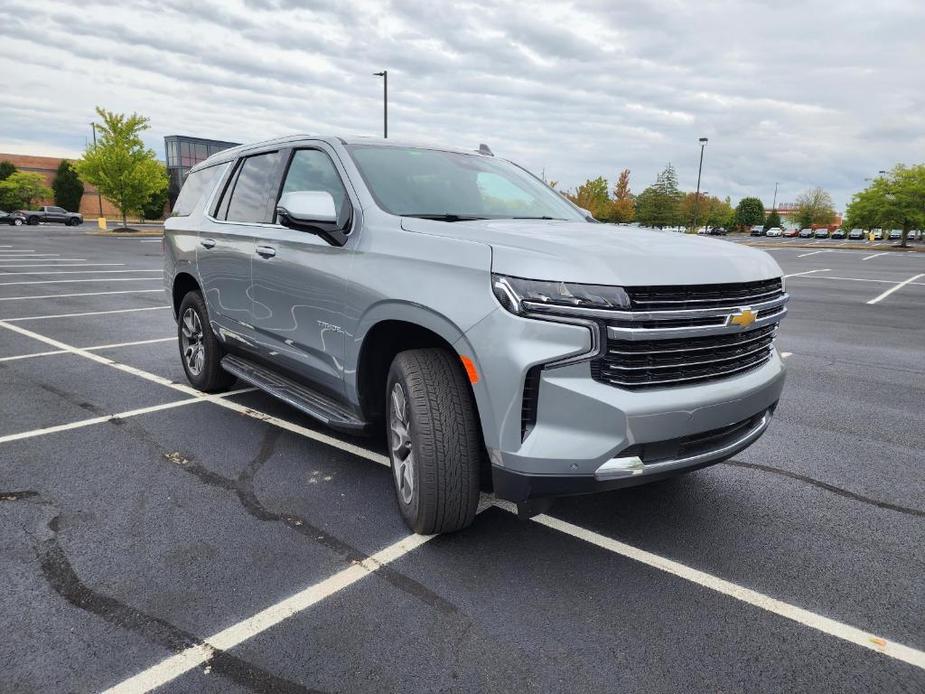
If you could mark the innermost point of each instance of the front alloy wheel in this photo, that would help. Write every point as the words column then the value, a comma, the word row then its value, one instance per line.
column 402, row 445
column 200, row 351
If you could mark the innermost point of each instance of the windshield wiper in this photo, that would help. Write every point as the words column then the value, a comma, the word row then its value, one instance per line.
column 446, row 217
column 558, row 219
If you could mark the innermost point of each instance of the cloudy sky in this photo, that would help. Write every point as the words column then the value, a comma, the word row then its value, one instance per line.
column 816, row 92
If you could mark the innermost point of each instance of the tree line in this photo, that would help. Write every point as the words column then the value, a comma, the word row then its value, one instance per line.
column 122, row 169
column 664, row 204
column 895, row 199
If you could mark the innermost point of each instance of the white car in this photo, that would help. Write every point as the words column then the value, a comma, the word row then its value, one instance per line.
column 774, row 231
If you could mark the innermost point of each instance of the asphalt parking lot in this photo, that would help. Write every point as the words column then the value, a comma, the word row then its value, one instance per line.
column 153, row 537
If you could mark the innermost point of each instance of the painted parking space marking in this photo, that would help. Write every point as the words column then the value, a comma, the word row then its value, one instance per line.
column 95, row 348
column 832, row 627
column 76, row 272
column 875, row 255
column 67, row 296
column 72, row 281
column 808, row 272
column 899, row 286
column 81, row 423
column 804, row 255
column 784, row 355
column 69, row 264
column 85, row 313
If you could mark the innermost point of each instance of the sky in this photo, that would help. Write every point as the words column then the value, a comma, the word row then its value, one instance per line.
column 810, row 93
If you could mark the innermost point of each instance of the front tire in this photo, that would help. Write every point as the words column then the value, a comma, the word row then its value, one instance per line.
column 33, row 221
column 435, row 445
column 17, row 222
column 200, row 351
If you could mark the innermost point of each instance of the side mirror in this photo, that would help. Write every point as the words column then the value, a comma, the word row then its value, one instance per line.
column 313, row 211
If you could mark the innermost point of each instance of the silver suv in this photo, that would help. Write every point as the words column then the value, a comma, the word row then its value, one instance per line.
column 501, row 338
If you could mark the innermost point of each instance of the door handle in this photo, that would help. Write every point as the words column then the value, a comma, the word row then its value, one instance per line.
column 266, row 251
column 207, row 243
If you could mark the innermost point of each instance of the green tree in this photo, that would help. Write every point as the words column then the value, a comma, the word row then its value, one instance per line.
column 154, row 207
column 622, row 207
column 749, row 212
column 20, row 189
column 896, row 199
column 6, row 169
column 67, row 187
column 659, row 205
column 120, row 166
column 712, row 211
column 592, row 196
column 773, row 220
column 814, row 207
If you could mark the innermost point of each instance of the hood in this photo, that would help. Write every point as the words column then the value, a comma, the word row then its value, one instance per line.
column 605, row 254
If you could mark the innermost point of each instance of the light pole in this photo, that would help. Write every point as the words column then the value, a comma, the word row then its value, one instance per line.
column 99, row 197
column 703, row 143
column 385, row 101
column 774, row 204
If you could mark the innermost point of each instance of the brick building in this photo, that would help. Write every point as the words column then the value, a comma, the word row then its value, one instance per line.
column 48, row 167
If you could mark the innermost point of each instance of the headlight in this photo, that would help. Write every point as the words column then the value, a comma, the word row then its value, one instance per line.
column 514, row 292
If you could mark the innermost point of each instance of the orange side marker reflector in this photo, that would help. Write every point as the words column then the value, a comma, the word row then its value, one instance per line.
column 470, row 369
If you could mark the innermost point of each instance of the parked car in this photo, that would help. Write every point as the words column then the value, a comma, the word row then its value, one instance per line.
column 774, row 231
column 718, row 231
column 14, row 218
column 839, row 234
column 791, row 232
column 757, row 230
column 821, row 233
column 896, row 234
column 878, row 234
column 806, row 233
column 856, row 234
column 50, row 213
column 453, row 301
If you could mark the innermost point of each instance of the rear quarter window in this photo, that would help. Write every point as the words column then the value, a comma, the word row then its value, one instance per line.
column 197, row 184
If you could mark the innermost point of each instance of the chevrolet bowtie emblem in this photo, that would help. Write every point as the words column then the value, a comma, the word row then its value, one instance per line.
column 743, row 318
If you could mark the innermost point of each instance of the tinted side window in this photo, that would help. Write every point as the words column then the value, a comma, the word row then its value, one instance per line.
column 249, row 197
column 196, row 185
column 313, row 170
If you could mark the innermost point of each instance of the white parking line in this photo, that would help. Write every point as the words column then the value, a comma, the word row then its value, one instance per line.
column 808, row 272
column 839, row 630
column 64, row 296
column 96, row 279
column 112, row 345
column 16, row 255
column 784, row 355
column 86, row 313
column 48, row 259
column 75, row 272
column 176, row 665
column 875, row 255
column 69, row 264
column 79, row 424
column 803, row 255
column 157, row 240
column 893, row 289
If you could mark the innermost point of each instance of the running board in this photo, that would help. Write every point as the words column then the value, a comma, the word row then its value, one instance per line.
column 311, row 402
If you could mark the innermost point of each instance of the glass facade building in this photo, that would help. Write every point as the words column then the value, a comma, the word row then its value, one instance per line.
column 183, row 153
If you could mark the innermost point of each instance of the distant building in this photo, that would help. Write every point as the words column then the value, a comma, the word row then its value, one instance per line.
column 48, row 167
column 183, row 153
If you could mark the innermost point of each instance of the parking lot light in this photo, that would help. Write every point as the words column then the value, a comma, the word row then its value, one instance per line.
column 703, row 143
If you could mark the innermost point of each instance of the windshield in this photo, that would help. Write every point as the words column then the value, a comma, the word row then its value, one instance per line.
column 418, row 182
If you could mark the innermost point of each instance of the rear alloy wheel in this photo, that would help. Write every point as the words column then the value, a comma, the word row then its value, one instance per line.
column 17, row 222
column 435, row 445
column 200, row 350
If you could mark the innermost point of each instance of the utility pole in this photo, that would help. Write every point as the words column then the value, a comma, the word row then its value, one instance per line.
column 385, row 101
column 703, row 143
column 99, row 196
column 774, row 204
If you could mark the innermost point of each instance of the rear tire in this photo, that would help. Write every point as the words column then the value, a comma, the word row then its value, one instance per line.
column 200, row 351
column 17, row 222
column 33, row 221
column 435, row 445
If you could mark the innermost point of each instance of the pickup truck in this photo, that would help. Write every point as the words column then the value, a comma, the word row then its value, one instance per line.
column 50, row 213
column 453, row 304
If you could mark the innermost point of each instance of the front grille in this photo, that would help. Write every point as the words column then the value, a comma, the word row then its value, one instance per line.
column 683, row 335
column 664, row 298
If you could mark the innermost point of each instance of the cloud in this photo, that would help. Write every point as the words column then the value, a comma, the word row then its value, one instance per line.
column 579, row 89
